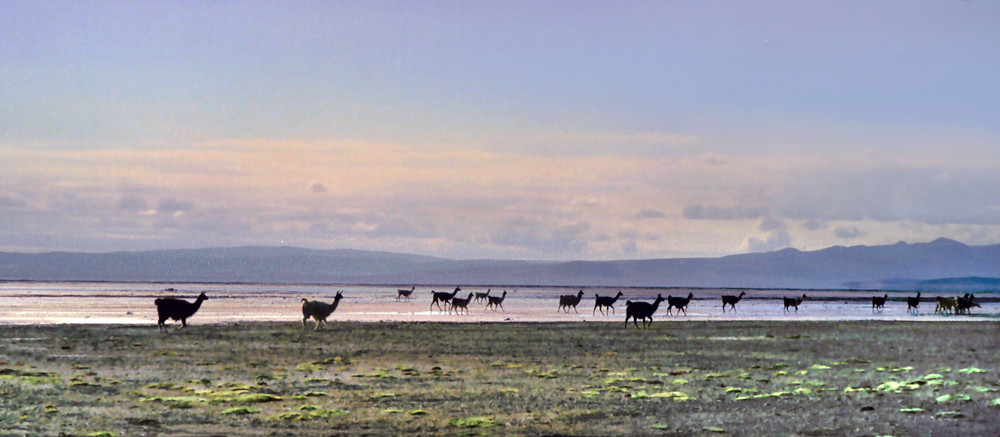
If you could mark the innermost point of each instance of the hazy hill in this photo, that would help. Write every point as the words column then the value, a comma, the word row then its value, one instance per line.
column 861, row 267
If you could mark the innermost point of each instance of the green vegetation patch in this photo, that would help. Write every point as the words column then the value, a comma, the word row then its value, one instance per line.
column 239, row 411
column 308, row 367
column 951, row 398
column 671, row 395
column 311, row 394
column 949, row 414
column 897, row 386
column 473, row 422
column 332, row 361
column 895, row 369
column 857, row 389
column 181, row 402
column 165, row 386
column 256, row 398
column 307, row 412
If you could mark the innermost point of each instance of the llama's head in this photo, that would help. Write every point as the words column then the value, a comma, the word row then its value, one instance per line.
column 202, row 296
column 339, row 296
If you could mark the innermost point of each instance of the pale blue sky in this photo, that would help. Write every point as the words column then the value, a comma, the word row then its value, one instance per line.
column 554, row 130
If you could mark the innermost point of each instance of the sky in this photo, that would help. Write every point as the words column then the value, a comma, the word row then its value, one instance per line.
column 545, row 130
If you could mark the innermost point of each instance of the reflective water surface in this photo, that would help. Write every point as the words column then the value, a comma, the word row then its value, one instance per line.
column 132, row 303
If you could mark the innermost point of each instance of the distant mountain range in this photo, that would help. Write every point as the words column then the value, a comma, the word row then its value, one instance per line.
column 939, row 265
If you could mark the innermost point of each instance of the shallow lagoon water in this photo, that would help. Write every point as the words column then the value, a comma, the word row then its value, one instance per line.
column 132, row 303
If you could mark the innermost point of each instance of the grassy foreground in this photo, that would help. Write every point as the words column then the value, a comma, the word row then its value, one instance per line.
column 680, row 378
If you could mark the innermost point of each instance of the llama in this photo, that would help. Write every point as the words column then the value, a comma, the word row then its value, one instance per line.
column 443, row 296
column 459, row 304
column 404, row 293
column 569, row 300
column 319, row 310
column 176, row 309
column 480, row 297
column 964, row 304
column 732, row 301
column 641, row 310
column 879, row 302
column 600, row 302
column 912, row 303
column 497, row 301
column 945, row 305
column 793, row 302
column 680, row 303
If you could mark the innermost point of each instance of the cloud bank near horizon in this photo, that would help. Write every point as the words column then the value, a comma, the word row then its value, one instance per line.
column 465, row 203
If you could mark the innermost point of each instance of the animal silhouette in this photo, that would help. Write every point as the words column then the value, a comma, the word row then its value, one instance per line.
column 641, row 310
column 176, row 309
column 912, row 303
column 793, row 302
column 497, row 302
column 680, row 303
column 483, row 296
column 404, row 293
column 443, row 296
column 319, row 310
column 569, row 300
column 458, row 304
column 731, row 301
column 601, row 302
column 879, row 302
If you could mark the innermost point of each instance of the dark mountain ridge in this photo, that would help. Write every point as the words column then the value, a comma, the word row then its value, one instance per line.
column 952, row 264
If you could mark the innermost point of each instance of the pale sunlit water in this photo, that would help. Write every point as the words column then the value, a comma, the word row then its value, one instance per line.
column 132, row 303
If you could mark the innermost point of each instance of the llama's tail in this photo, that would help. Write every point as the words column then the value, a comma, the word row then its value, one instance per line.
column 157, row 302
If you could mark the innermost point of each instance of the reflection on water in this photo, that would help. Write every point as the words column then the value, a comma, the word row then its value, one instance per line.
column 132, row 303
